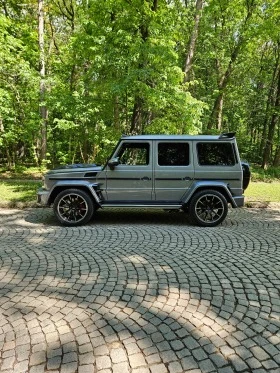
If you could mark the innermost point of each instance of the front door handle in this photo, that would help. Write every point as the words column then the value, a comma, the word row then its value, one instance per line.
column 145, row 178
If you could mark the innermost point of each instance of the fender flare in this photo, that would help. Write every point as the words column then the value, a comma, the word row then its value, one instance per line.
column 215, row 185
column 82, row 184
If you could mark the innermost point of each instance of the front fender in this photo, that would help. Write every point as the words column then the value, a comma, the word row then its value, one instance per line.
column 79, row 184
column 215, row 185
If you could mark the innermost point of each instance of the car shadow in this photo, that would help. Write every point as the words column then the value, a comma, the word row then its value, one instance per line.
column 115, row 217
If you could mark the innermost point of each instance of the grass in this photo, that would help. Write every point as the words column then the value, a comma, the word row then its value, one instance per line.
column 259, row 174
column 263, row 192
column 22, row 173
column 18, row 193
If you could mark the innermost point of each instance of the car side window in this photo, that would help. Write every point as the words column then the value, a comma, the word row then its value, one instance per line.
column 134, row 154
column 216, row 154
column 173, row 154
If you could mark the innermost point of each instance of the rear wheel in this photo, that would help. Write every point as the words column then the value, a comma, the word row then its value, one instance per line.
column 208, row 208
column 73, row 207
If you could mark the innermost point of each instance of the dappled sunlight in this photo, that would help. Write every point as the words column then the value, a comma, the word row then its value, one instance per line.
column 140, row 296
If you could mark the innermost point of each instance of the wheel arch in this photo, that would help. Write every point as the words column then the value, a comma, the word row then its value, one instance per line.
column 219, row 187
column 90, row 189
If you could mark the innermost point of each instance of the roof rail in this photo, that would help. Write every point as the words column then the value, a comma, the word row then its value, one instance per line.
column 227, row 135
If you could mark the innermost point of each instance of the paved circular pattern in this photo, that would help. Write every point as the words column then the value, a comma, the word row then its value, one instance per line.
column 139, row 292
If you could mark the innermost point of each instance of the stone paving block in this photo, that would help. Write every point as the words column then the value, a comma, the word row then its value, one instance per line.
column 118, row 355
column 87, row 369
column 218, row 360
column 69, row 367
column 145, row 343
column 8, row 353
column 207, row 366
column 54, row 362
column 137, row 360
column 37, row 369
column 103, row 362
column 158, row 368
column 175, row 367
column 271, row 349
column 150, row 351
column 238, row 363
column 37, row 358
column 121, row 368
column 69, row 357
column 153, row 359
column 270, row 365
column 141, row 370
column 226, row 370
column 189, row 363
column 190, row 343
column 259, row 353
column 8, row 363
column 199, row 354
column 163, row 346
column 161, row 292
column 86, row 358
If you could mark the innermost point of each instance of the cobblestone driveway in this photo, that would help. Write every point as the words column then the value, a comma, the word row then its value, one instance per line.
column 139, row 292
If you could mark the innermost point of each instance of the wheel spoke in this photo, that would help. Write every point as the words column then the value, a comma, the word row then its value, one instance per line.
column 72, row 208
column 209, row 208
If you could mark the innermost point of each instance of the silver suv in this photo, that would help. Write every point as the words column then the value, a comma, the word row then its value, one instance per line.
column 200, row 175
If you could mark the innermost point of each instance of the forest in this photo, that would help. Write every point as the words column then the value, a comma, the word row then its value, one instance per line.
column 76, row 74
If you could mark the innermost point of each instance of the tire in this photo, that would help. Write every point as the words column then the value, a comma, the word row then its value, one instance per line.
column 208, row 208
column 73, row 207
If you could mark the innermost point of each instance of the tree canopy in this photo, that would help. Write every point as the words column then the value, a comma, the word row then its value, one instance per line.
column 75, row 75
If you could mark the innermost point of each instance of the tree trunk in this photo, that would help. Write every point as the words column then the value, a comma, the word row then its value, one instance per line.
column 269, row 103
column 136, row 126
column 272, row 126
column 276, row 161
column 117, row 113
column 225, row 78
column 137, row 116
column 43, row 108
column 192, row 44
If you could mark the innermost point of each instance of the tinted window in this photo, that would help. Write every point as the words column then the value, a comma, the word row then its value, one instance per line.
column 134, row 154
column 216, row 154
column 173, row 154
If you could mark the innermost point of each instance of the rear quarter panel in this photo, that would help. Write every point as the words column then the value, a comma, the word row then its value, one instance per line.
column 231, row 175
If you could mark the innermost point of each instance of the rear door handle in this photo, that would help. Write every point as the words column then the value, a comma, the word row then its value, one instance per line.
column 187, row 178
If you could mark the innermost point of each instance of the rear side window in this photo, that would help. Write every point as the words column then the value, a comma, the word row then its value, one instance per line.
column 173, row 154
column 216, row 154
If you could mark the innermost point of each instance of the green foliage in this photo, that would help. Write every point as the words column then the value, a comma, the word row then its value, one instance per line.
column 117, row 66
column 22, row 172
column 269, row 175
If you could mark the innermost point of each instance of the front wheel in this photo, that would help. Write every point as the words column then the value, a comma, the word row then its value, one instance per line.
column 73, row 207
column 208, row 208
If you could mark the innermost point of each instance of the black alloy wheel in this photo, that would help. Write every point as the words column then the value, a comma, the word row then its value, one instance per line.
column 208, row 208
column 73, row 207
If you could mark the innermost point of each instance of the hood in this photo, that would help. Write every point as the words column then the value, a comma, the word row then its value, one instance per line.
column 77, row 169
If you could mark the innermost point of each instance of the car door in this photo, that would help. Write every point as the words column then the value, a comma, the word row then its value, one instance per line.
column 174, row 172
column 131, row 178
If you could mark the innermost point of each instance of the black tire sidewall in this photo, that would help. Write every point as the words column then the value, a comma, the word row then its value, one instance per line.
column 83, row 195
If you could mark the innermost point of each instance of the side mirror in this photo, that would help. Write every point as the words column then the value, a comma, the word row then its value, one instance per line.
column 113, row 163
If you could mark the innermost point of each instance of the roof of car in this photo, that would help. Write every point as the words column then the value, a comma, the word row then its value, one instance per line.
column 226, row 136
